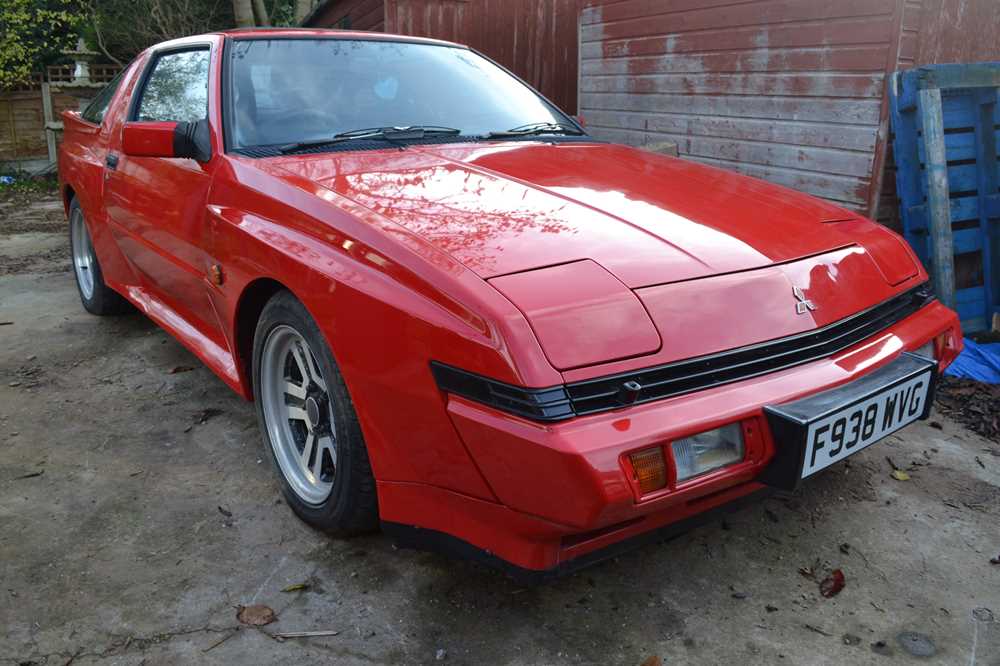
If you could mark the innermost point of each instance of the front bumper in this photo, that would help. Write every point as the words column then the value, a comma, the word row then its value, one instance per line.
column 563, row 488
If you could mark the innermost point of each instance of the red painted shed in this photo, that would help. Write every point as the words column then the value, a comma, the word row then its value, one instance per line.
column 535, row 39
column 792, row 91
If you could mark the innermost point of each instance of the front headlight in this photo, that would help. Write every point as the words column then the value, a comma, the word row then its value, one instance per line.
column 709, row 450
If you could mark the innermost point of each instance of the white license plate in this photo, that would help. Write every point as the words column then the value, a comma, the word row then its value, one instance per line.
column 847, row 431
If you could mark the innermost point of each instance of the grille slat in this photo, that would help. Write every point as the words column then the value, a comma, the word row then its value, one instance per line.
column 695, row 374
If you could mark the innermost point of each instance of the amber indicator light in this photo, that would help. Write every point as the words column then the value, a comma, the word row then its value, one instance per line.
column 650, row 469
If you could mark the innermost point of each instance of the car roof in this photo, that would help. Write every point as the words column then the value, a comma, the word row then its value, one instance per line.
column 328, row 33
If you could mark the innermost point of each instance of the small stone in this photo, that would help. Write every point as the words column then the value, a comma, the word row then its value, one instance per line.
column 14, row 384
column 441, row 655
column 739, row 595
column 851, row 639
column 882, row 648
column 916, row 644
column 771, row 609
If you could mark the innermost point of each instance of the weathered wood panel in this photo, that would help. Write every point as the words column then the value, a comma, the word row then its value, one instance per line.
column 22, row 123
column 350, row 15
column 786, row 90
column 536, row 39
column 959, row 31
column 935, row 32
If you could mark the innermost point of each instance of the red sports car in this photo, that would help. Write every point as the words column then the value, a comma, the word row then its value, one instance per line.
column 465, row 319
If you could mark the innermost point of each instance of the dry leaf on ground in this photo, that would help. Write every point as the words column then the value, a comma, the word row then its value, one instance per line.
column 256, row 615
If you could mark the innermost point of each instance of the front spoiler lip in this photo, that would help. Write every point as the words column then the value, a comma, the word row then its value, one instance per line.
column 411, row 536
column 784, row 472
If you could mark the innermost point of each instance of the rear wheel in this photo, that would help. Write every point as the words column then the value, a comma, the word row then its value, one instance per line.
column 308, row 422
column 97, row 297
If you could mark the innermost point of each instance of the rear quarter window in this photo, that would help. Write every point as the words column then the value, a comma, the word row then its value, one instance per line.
column 94, row 112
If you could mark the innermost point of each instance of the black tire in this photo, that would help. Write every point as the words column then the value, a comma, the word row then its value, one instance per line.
column 103, row 300
column 352, row 504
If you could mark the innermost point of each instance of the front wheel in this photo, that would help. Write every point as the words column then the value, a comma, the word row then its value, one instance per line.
column 97, row 297
column 308, row 422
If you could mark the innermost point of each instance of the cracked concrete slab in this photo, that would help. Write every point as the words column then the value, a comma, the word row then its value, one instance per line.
column 118, row 552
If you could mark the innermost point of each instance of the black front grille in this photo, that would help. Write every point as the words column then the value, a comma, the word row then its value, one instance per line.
column 694, row 374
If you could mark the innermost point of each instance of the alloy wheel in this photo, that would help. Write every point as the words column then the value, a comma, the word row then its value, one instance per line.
column 84, row 260
column 298, row 414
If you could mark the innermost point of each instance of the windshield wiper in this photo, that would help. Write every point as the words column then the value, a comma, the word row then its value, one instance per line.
column 537, row 128
column 390, row 134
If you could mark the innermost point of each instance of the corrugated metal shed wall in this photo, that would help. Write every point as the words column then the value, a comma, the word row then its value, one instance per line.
column 786, row 90
column 535, row 39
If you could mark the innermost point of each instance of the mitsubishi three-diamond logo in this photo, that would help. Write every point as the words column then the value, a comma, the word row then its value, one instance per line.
column 802, row 304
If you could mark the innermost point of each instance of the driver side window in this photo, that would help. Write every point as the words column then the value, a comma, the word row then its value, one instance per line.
column 176, row 90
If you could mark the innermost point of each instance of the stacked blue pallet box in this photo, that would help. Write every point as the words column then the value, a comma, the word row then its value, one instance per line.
column 945, row 120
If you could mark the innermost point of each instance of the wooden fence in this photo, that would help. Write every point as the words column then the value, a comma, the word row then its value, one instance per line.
column 29, row 112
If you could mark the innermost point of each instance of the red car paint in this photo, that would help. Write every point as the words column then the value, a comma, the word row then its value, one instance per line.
column 530, row 263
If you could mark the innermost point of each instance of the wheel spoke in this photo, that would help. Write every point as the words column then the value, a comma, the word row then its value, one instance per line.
column 307, row 450
column 317, row 466
column 298, row 414
column 294, row 390
column 299, row 355
column 327, row 444
column 314, row 372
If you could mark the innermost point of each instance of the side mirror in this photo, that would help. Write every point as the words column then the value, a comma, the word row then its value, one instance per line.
column 167, row 139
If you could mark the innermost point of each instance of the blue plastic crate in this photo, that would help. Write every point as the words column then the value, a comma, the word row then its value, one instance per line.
column 945, row 119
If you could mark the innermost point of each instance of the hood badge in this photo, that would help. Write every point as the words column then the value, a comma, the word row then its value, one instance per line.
column 802, row 304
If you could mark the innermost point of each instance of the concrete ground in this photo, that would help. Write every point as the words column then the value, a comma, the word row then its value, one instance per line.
column 137, row 511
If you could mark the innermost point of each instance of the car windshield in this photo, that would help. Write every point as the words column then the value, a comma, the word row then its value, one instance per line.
column 286, row 91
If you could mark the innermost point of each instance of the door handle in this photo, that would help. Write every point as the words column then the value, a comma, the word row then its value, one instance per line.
column 111, row 161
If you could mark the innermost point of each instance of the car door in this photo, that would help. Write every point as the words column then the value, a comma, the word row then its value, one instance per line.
column 157, row 205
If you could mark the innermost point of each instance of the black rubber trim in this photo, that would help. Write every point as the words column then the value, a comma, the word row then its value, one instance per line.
column 608, row 393
column 411, row 536
column 369, row 144
column 546, row 404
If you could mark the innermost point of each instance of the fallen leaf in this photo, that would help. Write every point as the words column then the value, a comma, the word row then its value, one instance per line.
column 224, row 512
column 900, row 475
column 653, row 660
column 297, row 587
column 845, row 548
column 178, row 369
column 256, row 615
column 832, row 584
